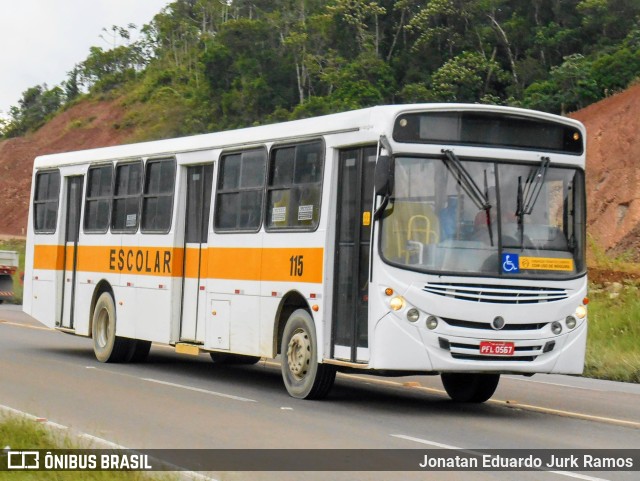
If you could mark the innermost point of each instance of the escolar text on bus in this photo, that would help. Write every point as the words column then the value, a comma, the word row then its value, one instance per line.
column 140, row 261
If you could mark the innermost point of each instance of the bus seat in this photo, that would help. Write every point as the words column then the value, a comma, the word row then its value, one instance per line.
column 411, row 221
column 424, row 234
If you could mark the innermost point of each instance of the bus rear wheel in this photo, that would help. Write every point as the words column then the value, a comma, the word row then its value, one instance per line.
column 470, row 388
column 106, row 345
column 303, row 376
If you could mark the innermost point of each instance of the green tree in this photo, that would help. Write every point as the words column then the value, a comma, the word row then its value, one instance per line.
column 71, row 86
column 363, row 82
column 362, row 20
column 35, row 106
column 570, row 86
column 468, row 77
column 608, row 20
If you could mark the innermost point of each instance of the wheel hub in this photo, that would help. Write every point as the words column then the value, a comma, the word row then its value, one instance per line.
column 299, row 354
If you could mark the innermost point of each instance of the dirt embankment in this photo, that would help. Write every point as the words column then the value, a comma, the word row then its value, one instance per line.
column 83, row 126
column 613, row 172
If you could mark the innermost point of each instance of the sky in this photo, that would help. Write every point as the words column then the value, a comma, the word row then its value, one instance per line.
column 41, row 40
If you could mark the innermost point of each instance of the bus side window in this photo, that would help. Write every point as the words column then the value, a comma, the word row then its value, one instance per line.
column 239, row 197
column 126, row 200
column 295, row 186
column 157, row 203
column 98, row 199
column 45, row 202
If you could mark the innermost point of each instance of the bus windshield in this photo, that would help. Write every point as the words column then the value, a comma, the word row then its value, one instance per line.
column 482, row 217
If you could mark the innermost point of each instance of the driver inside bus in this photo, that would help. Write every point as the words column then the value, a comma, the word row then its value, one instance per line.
column 486, row 220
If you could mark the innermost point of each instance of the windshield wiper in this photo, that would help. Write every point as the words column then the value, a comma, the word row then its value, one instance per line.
column 528, row 196
column 479, row 198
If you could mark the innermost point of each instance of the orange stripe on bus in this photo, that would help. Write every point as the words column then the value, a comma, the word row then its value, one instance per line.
column 303, row 264
column 48, row 257
column 269, row 264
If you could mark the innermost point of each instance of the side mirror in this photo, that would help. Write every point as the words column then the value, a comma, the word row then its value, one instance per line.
column 383, row 177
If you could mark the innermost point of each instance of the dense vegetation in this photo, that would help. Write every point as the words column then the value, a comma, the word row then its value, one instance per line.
column 204, row 65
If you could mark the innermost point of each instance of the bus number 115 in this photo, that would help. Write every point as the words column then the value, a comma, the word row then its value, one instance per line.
column 295, row 266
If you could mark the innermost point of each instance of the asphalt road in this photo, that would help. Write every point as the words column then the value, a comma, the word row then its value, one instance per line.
column 178, row 401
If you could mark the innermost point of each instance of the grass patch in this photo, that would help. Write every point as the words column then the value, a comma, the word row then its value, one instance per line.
column 19, row 433
column 614, row 332
column 19, row 246
column 598, row 258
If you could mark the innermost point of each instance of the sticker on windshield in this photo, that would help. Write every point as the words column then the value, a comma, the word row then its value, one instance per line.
column 546, row 264
column 510, row 263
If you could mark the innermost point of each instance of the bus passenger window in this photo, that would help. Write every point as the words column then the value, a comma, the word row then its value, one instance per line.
column 241, row 179
column 157, row 203
column 295, row 187
column 126, row 200
column 45, row 202
column 98, row 201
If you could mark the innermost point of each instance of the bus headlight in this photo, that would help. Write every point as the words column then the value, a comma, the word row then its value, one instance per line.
column 571, row 322
column 581, row 312
column 413, row 314
column 396, row 303
column 556, row 327
column 432, row 322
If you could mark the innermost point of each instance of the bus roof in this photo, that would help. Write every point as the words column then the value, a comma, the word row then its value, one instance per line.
column 363, row 119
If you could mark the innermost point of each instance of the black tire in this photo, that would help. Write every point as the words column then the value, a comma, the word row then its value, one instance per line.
column 140, row 351
column 303, row 376
column 229, row 358
column 470, row 388
column 106, row 345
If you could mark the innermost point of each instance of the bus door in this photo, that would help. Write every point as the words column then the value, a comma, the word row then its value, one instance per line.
column 351, row 272
column 199, row 179
column 71, row 234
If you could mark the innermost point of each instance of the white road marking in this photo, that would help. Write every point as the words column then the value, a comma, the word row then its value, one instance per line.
column 172, row 384
column 197, row 389
column 577, row 475
column 471, row 451
column 431, row 443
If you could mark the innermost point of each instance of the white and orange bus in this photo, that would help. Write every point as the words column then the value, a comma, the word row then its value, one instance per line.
column 434, row 238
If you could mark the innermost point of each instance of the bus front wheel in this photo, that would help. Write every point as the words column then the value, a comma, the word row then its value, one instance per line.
column 106, row 345
column 470, row 388
column 303, row 376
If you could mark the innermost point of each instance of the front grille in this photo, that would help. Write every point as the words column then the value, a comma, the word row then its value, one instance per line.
column 496, row 294
column 487, row 325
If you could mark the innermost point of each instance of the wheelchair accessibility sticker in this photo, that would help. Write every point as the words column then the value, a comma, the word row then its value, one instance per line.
column 514, row 263
column 510, row 263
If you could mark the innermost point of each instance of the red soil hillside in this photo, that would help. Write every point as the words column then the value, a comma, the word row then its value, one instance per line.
column 613, row 171
column 86, row 125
